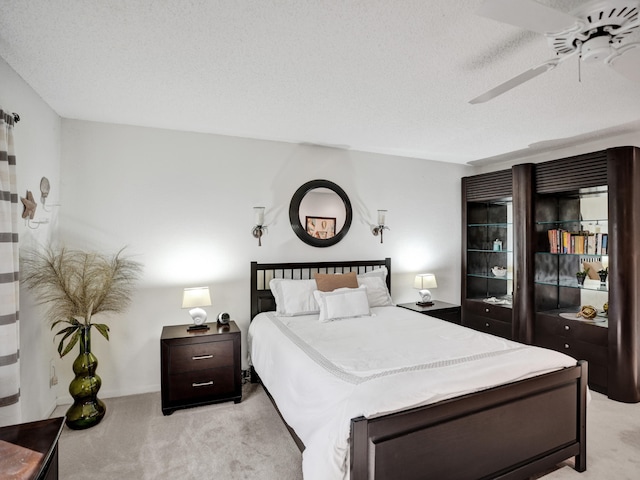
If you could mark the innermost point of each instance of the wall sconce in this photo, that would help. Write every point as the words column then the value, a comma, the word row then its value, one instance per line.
column 381, row 227
column 423, row 282
column 194, row 298
column 260, row 228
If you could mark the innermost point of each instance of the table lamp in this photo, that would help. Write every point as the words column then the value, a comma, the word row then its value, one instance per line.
column 423, row 282
column 194, row 298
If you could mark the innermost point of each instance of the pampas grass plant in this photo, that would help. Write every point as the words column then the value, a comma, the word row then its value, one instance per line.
column 78, row 285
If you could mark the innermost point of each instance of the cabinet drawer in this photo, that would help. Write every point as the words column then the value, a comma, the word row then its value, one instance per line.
column 487, row 310
column 201, row 384
column 594, row 354
column 572, row 329
column 200, row 356
column 488, row 325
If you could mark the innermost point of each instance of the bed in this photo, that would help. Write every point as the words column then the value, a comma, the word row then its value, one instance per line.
column 510, row 430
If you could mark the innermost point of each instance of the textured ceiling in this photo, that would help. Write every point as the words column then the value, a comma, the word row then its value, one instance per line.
column 380, row 76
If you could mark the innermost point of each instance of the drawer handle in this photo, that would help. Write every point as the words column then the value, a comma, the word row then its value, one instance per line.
column 486, row 325
column 486, row 310
column 203, row 384
column 566, row 345
column 566, row 327
column 201, row 357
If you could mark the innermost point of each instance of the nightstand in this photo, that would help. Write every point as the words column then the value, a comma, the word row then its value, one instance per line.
column 442, row 310
column 200, row 367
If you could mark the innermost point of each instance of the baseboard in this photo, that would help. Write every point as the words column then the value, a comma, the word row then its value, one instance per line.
column 106, row 393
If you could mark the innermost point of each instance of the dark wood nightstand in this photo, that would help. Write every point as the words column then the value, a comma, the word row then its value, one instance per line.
column 442, row 310
column 200, row 367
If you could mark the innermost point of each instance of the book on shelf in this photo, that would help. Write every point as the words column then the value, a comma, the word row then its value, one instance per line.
column 581, row 243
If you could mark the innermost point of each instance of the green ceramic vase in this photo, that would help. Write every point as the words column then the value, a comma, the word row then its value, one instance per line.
column 87, row 410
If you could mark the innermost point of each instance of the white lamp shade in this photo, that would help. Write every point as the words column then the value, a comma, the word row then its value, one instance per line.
column 382, row 217
column 196, row 297
column 259, row 215
column 425, row 281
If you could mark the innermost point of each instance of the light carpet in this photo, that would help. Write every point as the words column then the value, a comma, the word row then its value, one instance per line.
column 221, row 441
column 249, row 441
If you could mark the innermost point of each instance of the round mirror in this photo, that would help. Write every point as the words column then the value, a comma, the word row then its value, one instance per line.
column 320, row 213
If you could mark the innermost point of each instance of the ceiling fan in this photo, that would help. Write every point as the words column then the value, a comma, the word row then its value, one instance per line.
column 596, row 32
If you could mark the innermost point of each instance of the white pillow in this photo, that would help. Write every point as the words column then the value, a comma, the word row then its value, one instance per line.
column 294, row 297
column 342, row 303
column 377, row 290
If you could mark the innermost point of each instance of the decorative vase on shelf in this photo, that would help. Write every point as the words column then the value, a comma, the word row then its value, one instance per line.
column 580, row 279
column 87, row 410
column 603, row 277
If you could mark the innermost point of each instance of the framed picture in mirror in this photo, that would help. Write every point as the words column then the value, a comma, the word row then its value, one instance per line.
column 321, row 227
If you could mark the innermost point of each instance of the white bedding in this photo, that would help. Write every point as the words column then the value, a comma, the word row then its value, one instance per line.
column 321, row 375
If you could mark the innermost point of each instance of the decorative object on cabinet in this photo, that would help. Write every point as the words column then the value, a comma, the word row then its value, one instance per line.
column 381, row 227
column 423, row 282
column 259, row 229
column 194, row 298
column 77, row 286
column 581, row 275
column 320, row 198
column 603, row 275
column 201, row 368
column 499, row 271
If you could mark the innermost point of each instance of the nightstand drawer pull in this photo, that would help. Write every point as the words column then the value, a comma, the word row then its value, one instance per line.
column 566, row 327
column 566, row 345
column 201, row 357
column 203, row 384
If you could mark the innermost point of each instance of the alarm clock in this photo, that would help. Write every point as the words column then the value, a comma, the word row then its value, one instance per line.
column 223, row 318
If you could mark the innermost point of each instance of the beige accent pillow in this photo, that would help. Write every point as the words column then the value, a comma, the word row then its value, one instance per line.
column 328, row 282
column 594, row 268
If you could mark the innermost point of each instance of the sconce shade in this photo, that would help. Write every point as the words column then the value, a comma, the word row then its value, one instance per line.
column 425, row 280
column 259, row 214
column 382, row 217
column 196, row 297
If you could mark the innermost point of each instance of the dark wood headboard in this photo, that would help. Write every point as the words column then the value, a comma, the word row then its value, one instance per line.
column 261, row 273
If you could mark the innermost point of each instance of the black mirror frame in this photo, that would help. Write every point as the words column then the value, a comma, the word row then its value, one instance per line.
column 294, row 213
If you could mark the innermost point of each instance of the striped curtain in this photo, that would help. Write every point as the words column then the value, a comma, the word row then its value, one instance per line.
column 9, row 291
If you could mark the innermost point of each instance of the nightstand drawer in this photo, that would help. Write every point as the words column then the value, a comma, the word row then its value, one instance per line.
column 200, row 356
column 202, row 384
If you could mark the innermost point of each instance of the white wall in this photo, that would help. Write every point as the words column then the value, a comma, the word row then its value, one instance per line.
column 183, row 204
column 37, row 142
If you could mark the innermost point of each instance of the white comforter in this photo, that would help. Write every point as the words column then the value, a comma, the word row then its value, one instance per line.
column 321, row 375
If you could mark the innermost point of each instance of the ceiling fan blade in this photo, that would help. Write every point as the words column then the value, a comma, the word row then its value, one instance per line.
column 528, row 14
column 627, row 62
column 517, row 80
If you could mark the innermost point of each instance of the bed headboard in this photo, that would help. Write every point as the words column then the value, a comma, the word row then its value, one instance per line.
column 261, row 273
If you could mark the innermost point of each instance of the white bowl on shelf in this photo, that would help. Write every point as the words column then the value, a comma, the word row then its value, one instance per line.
column 499, row 271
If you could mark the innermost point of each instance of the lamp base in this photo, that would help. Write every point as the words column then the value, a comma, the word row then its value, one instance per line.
column 424, row 304
column 198, row 328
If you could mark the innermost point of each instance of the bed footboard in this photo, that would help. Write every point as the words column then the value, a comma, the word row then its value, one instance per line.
column 508, row 432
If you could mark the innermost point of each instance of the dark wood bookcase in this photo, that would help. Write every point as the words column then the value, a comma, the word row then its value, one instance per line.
column 487, row 239
column 561, row 194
